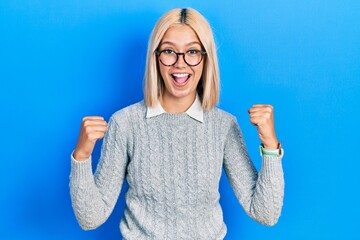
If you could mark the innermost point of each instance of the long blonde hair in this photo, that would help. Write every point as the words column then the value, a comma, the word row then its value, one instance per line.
column 209, row 84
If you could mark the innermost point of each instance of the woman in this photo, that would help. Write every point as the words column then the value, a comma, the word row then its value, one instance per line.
column 172, row 146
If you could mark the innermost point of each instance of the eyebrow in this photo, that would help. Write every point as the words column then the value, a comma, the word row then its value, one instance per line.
column 173, row 44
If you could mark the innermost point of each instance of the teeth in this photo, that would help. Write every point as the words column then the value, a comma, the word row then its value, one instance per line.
column 180, row 75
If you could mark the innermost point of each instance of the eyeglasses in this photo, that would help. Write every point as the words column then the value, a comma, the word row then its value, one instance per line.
column 169, row 57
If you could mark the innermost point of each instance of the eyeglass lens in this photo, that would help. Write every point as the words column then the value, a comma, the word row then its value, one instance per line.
column 192, row 58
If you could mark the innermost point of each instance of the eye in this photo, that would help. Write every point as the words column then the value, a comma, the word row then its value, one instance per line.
column 193, row 52
column 167, row 51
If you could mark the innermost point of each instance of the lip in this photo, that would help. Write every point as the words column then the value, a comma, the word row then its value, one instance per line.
column 182, row 82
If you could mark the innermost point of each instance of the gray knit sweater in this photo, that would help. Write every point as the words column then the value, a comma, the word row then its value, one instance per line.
column 173, row 164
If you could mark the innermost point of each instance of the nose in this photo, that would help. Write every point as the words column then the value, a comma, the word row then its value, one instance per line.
column 180, row 63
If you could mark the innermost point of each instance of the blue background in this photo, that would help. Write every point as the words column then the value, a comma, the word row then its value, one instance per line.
column 62, row 60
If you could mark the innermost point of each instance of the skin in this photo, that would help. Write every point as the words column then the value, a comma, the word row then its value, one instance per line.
column 92, row 129
column 177, row 98
column 262, row 116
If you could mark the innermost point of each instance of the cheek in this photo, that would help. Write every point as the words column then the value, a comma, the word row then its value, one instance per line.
column 162, row 70
column 198, row 72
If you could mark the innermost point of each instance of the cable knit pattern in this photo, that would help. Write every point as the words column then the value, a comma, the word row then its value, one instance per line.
column 173, row 164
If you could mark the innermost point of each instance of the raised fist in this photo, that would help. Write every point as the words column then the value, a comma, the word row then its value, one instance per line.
column 92, row 129
column 262, row 116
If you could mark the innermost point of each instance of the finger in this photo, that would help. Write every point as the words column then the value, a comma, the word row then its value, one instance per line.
column 265, row 115
column 93, row 118
column 90, row 122
column 97, row 123
column 94, row 129
column 96, row 135
column 258, row 113
column 97, row 128
column 261, row 120
column 256, row 121
column 261, row 107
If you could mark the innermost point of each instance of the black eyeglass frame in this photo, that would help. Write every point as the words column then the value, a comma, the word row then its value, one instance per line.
column 203, row 53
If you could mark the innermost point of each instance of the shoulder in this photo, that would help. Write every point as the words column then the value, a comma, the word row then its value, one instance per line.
column 131, row 113
column 122, row 121
column 217, row 114
column 224, row 122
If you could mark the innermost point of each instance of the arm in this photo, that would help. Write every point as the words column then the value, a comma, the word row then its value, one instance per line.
column 260, row 194
column 94, row 196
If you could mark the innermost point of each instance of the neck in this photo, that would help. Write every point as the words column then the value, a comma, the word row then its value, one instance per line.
column 177, row 105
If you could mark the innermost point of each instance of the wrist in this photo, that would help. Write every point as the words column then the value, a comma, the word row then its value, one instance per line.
column 278, row 151
column 80, row 156
column 271, row 145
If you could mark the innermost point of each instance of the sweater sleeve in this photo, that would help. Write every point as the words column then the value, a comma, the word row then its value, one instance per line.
column 260, row 194
column 94, row 196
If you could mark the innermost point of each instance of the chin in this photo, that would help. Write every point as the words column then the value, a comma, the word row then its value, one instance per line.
column 180, row 94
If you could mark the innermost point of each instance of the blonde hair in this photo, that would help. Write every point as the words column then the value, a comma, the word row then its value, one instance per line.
column 209, row 84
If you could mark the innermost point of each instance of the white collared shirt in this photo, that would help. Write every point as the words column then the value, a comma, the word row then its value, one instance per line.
column 195, row 111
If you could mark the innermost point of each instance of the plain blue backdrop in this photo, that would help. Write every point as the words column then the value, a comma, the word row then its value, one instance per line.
column 62, row 60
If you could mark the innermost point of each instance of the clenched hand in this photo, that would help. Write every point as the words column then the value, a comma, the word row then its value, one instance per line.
column 92, row 129
column 262, row 116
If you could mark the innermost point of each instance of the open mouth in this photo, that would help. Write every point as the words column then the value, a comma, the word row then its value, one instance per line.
column 180, row 79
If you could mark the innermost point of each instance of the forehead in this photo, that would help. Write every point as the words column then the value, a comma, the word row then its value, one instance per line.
column 180, row 35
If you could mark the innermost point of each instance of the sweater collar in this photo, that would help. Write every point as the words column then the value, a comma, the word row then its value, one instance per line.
column 195, row 111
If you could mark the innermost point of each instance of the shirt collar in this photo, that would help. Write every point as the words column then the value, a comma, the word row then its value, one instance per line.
column 195, row 111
